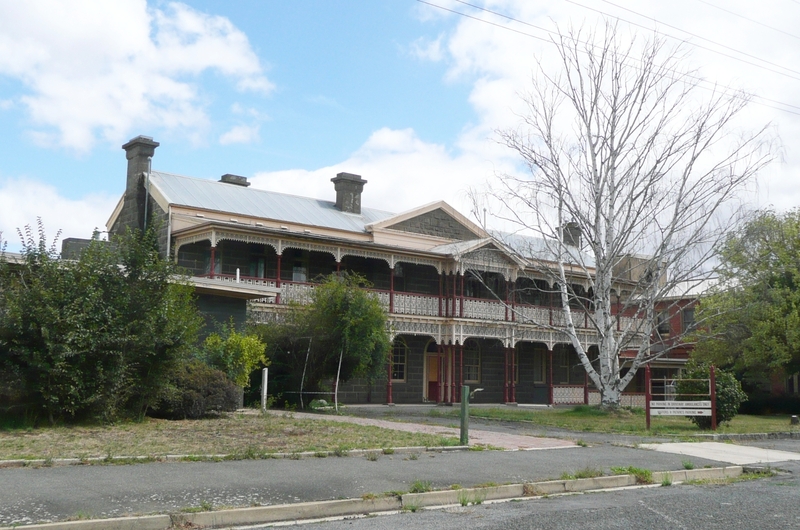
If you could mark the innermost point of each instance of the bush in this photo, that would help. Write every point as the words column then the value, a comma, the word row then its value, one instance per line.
column 729, row 392
column 198, row 390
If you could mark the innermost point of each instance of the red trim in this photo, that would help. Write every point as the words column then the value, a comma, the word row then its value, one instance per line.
column 278, row 280
column 391, row 290
column 712, row 383
column 461, row 309
column 505, row 386
column 550, row 355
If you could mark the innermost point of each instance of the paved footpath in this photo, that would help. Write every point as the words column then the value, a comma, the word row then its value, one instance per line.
column 29, row 495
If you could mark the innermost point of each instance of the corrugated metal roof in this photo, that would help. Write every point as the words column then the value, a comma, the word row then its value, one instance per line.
column 210, row 195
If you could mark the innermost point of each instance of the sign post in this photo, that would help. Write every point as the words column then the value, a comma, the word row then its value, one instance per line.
column 706, row 407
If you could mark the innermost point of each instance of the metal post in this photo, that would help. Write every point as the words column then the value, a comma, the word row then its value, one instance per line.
column 389, row 383
column 464, row 415
column 712, row 383
column 264, row 374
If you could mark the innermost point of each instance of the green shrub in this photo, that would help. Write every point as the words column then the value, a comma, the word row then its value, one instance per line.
column 729, row 392
column 198, row 390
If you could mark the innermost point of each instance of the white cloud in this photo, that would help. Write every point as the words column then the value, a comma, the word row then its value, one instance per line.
column 401, row 170
column 22, row 201
column 118, row 66
column 240, row 134
column 428, row 50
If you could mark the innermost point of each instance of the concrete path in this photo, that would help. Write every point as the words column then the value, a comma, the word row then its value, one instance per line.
column 722, row 452
column 502, row 440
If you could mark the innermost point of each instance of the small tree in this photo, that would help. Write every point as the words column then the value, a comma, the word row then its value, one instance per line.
column 631, row 162
column 236, row 354
column 94, row 338
column 752, row 319
column 342, row 333
column 729, row 392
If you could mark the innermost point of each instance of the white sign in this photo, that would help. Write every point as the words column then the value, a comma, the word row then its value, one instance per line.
column 681, row 404
column 680, row 412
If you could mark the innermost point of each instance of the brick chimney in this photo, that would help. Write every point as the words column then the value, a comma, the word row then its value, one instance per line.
column 137, row 151
column 348, row 192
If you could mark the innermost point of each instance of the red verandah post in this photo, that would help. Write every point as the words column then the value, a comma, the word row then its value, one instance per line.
column 647, row 394
column 712, row 384
column 389, row 382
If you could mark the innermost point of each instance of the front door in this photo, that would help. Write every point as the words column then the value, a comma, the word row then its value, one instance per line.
column 433, row 377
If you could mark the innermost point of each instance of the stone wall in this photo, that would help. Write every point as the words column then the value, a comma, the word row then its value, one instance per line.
column 435, row 223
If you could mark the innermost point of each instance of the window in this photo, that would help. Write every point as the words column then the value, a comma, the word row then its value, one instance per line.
column 399, row 359
column 662, row 323
column 472, row 362
column 688, row 319
column 299, row 272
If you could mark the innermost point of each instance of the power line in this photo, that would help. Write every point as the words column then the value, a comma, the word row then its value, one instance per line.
column 783, row 106
column 695, row 36
column 750, row 19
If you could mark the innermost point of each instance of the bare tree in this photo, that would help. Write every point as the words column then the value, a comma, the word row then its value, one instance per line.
column 632, row 162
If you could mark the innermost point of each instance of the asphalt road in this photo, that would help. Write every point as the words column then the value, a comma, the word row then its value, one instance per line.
column 49, row 494
column 765, row 504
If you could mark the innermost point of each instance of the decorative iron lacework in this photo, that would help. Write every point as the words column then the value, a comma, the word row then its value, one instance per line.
column 485, row 309
column 188, row 240
column 410, row 304
column 489, row 261
column 567, row 395
column 406, row 327
column 305, row 245
column 417, row 261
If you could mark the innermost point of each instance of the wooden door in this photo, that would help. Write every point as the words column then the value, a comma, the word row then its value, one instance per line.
column 433, row 377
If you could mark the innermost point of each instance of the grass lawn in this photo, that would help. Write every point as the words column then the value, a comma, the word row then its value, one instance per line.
column 591, row 419
column 244, row 435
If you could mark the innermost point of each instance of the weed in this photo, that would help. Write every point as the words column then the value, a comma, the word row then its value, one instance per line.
column 478, row 447
column 388, row 451
column 463, row 498
column 341, row 451
column 707, row 466
column 321, row 454
column 372, row 457
column 205, row 506
column 411, row 507
column 487, row 485
column 667, row 480
column 420, row 486
column 48, row 462
column 478, row 498
column 581, row 443
column 413, row 456
column 369, row 497
column 80, row 515
column 295, row 456
column 688, row 464
column 455, row 486
column 587, row 472
column 643, row 476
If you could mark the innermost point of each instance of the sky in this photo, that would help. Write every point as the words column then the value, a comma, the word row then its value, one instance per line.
column 408, row 94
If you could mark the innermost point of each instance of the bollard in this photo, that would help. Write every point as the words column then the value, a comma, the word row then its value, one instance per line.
column 465, row 415
column 795, row 420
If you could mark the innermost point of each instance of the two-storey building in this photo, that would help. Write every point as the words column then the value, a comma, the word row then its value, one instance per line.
column 463, row 307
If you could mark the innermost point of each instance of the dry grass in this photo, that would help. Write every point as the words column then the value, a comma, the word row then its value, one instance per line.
column 248, row 435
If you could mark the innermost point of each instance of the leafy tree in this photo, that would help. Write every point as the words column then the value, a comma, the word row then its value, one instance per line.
column 729, row 392
column 344, row 323
column 236, row 354
column 630, row 164
column 751, row 322
column 97, row 337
